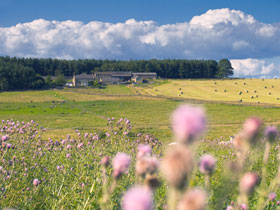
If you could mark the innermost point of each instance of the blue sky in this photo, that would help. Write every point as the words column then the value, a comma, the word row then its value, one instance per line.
column 245, row 31
column 161, row 11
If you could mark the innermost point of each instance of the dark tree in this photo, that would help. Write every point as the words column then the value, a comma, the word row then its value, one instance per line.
column 224, row 69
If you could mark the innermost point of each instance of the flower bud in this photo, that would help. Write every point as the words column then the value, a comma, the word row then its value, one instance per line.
column 248, row 182
column 193, row 200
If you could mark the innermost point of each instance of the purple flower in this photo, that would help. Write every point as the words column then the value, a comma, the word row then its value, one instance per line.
column 121, row 163
column 271, row 133
column 5, row 138
column 229, row 208
column 188, row 122
column 143, row 150
column 243, row 206
column 207, row 164
column 105, row 161
column 36, row 182
column 80, row 145
column 68, row 146
column 138, row 198
column 251, row 127
column 68, row 155
column 272, row 196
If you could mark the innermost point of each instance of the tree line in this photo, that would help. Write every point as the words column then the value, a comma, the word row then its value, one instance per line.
column 27, row 73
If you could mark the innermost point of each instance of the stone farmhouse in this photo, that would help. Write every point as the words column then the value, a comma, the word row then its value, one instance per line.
column 120, row 77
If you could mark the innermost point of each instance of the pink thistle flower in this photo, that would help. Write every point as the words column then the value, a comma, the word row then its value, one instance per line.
column 207, row 164
column 68, row 146
column 229, row 208
column 68, row 155
column 105, row 161
column 188, row 122
column 272, row 196
column 80, row 145
column 36, row 182
column 248, row 182
column 251, row 127
column 138, row 198
column 63, row 141
column 271, row 133
column 121, row 163
column 243, row 206
column 193, row 200
column 278, row 203
column 144, row 150
column 5, row 138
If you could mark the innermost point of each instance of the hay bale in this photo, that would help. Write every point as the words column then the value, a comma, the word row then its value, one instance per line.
column 265, row 87
column 225, row 90
column 278, row 99
column 235, row 83
column 256, row 96
column 215, row 83
column 240, row 100
column 244, row 83
column 247, row 91
column 255, row 91
column 240, row 93
column 216, row 90
column 252, row 97
column 272, row 86
column 182, row 93
column 269, row 93
column 180, row 88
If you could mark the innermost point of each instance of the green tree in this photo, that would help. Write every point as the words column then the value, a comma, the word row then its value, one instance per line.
column 224, row 69
column 60, row 80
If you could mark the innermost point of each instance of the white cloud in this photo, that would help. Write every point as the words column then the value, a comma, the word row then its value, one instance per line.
column 264, row 68
column 217, row 34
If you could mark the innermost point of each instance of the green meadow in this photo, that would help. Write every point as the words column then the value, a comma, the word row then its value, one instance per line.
column 63, row 111
column 76, row 182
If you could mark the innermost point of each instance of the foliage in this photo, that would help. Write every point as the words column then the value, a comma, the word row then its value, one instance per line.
column 25, row 69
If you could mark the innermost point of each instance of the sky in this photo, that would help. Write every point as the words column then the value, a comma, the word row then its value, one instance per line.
column 247, row 32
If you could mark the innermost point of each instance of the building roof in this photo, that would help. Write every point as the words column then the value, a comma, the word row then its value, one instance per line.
column 84, row 76
column 115, row 73
column 144, row 74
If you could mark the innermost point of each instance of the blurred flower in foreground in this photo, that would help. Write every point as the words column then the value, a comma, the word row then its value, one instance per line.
column 271, row 133
column 248, row 182
column 121, row 163
column 138, row 198
column 176, row 165
column 193, row 200
column 251, row 128
column 188, row 122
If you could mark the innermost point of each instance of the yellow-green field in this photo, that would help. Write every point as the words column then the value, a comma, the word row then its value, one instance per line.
column 232, row 90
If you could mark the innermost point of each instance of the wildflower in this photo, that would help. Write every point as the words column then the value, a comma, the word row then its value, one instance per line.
column 272, row 196
column 146, row 165
column 80, row 145
column 248, row 182
column 138, row 198
column 278, row 203
column 5, row 138
column 105, row 161
column 251, row 128
column 36, row 182
column 243, row 206
column 68, row 155
column 207, row 164
column 121, row 163
column 271, row 133
column 229, row 208
column 188, row 123
column 193, row 200
column 68, row 146
column 177, row 165
column 143, row 150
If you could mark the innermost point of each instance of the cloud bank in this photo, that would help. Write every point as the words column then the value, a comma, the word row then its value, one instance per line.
column 221, row 33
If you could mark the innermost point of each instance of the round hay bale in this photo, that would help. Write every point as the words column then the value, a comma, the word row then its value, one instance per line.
column 225, row 90
column 215, row 90
column 240, row 93
column 252, row 97
column 269, row 93
column 255, row 91
column 247, row 91
column 265, row 87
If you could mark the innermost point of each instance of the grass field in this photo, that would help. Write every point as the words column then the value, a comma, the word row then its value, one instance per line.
column 63, row 111
column 248, row 90
column 149, row 108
